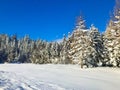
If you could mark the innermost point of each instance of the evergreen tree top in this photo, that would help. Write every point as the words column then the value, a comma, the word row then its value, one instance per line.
column 80, row 23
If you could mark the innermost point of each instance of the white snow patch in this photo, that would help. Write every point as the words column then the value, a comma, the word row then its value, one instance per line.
column 57, row 77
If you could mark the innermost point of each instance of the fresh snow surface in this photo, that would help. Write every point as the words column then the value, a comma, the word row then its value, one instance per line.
column 57, row 77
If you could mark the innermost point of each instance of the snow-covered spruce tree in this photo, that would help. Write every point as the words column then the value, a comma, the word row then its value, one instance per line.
column 36, row 55
column 55, row 52
column 106, row 58
column 85, row 45
column 13, row 49
column 64, row 54
column 97, row 45
column 24, row 46
column 78, row 44
column 112, row 38
column 3, row 46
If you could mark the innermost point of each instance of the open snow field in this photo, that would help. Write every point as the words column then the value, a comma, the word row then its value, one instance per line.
column 57, row 77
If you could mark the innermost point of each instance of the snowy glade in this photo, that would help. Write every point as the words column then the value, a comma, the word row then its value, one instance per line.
column 84, row 46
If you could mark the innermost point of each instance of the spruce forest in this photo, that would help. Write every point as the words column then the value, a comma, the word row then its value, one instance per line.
column 86, row 47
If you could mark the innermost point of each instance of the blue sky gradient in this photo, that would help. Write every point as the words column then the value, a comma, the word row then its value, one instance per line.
column 50, row 19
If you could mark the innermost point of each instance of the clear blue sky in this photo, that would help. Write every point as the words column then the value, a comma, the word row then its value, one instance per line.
column 50, row 19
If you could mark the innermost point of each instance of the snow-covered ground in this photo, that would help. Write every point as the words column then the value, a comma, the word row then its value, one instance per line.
column 57, row 77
